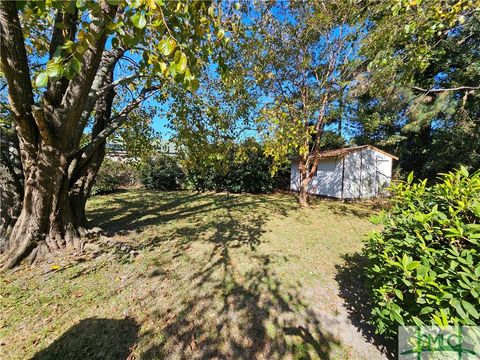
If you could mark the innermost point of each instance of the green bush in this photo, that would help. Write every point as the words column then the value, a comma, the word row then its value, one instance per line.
column 161, row 173
column 245, row 168
column 424, row 266
column 113, row 175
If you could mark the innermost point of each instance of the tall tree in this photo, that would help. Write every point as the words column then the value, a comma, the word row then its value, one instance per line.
column 210, row 123
column 79, row 54
column 419, row 90
column 298, row 54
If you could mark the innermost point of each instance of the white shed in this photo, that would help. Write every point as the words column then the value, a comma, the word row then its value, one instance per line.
column 349, row 173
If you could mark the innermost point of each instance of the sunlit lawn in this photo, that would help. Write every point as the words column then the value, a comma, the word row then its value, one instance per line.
column 185, row 275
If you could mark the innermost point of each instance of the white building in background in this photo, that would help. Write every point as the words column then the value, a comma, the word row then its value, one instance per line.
column 117, row 152
column 349, row 173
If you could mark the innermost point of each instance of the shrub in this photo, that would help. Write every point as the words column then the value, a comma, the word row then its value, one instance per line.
column 250, row 173
column 424, row 266
column 245, row 168
column 113, row 175
column 161, row 173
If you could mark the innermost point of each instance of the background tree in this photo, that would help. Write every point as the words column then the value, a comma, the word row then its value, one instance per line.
column 419, row 89
column 137, row 139
column 208, row 125
column 80, row 54
column 298, row 52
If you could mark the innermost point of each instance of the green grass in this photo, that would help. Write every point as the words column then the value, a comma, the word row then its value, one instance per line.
column 188, row 275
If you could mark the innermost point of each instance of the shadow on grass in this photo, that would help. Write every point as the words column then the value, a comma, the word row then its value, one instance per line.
column 246, row 316
column 154, row 208
column 237, row 313
column 362, row 211
column 353, row 286
column 93, row 339
column 144, row 209
column 220, row 306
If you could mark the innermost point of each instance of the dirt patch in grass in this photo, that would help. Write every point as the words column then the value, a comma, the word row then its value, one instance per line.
column 194, row 276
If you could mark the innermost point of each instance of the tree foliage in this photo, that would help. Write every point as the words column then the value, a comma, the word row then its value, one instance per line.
column 244, row 167
column 113, row 175
column 297, row 54
column 137, row 137
column 418, row 93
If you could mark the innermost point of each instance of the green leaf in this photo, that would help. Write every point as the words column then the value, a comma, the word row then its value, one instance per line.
column 139, row 20
column 438, row 320
column 42, row 80
column 76, row 65
column 54, row 69
column 396, row 315
column 405, row 261
column 477, row 271
column 182, row 64
column 194, row 84
column 399, row 294
column 460, row 311
column 173, row 69
column 413, row 265
column 167, row 46
column 463, row 171
column 163, row 67
column 470, row 309
column 417, row 321
column 426, row 310
column 177, row 56
column 410, row 178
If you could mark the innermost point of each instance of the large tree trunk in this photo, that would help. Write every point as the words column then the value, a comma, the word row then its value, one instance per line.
column 47, row 221
column 58, row 174
column 11, row 184
column 55, row 194
column 80, row 189
column 56, row 191
column 10, row 202
column 82, row 177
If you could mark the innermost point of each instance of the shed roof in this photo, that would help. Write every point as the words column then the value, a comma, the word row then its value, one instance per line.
column 339, row 153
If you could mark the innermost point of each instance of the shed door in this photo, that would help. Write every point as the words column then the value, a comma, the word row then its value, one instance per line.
column 383, row 179
column 368, row 179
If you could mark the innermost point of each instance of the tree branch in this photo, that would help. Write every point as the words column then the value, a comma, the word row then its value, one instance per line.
column 14, row 65
column 96, row 93
column 64, row 28
column 78, row 89
column 109, row 60
column 458, row 88
column 114, row 123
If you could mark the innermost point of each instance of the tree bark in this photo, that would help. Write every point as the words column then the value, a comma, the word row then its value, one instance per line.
column 58, row 173
column 56, row 190
column 83, row 176
column 10, row 204
column 303, row 194
column 305, row 180
column 11, row 184
column 46, row 222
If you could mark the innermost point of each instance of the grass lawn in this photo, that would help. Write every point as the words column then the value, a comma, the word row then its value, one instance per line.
column 185, row 275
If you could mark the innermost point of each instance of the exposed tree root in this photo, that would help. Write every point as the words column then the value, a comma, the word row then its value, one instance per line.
column 33, row 250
